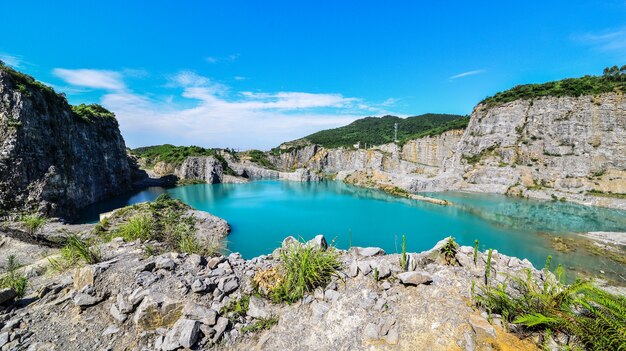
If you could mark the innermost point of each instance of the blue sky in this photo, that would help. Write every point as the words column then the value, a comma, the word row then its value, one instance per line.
column 249, row 74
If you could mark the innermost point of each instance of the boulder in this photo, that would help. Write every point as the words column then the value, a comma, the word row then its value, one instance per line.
column 257, row 308
column 85, row 300
column 481, row 327
column 184, row 333
column 116, row 314
column 214, row 261
column 200, row 313
column 157, row 310
column 228, row 284
column 288, row 242
column 198, row 286
column 415, row 278
column 220, row 328
column 165, row 263
column 318, row 242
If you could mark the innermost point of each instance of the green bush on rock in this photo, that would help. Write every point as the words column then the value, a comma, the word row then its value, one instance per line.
column 304, row 268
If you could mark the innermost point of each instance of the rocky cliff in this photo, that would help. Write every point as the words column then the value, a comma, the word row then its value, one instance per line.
column 53, row 160
column 552, row 147
column 566, row 148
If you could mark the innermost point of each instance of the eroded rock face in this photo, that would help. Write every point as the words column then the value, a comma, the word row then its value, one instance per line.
column 52, row 161
column 208, row 169
column 565, row 146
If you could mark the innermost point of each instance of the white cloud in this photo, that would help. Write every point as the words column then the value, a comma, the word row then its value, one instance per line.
column 11, row 60
column 216, row 59
column 468, row 73
column 240, row 78
column 607, row 40
column 91, row 78
column 222, row 118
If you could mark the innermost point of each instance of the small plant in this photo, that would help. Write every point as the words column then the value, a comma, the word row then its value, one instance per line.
column 488, row 266
column 304, row 268
column 14, row 279
column 236, row 308
column 375, row 274
column 403, row 261
column 267, row 280
column 32, row 223
column 546, row 267
column 261, row 324
column 448, row 251
column 475, row 251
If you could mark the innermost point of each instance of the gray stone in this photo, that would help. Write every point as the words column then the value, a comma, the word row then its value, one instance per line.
column 198, row 286
column 137, row 295
column 111, row 329
column 289, row 242
column 415, row 278
column 365, row 267
column 319, row 241
column 392, row 337
column 228, row 284
column 116, row 314
column 331, row 295
column 386, row 285
column 481, row 327
column 319, row 309
column 384, row 270
column 196, row 261
column 214, row 261
column 367, row 251
column 123, row 305
column 7, row 295
column 200, row 313
column 220, row 328
column 84, row 300
column 4, row 338
column 165, row 263
column 145, row 267
column 353, row 270
column 145, row 278
column 257, row 308
column 184, row 333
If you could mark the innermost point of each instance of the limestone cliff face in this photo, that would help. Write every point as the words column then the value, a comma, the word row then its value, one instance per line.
column 52, row 161
column 432, row 151
column 207, row 169
column 565, row 147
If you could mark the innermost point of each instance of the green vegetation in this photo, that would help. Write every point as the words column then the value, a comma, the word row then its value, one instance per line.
column 593, row 318
column 606, row 194
column 163, row 220
column 14, row 279
column 261, row 324
column 92, row 112
column 613, row 79
column 74, row 252
column 26, row 85
column 236, row 308
column 380, row 130
column 32, row 223
column 403, row 261
column 304, row 268
column 488, row 266
column 259, row 157
column 175, row 155
column 448, row 251
column 475, row 251
column 375, row 274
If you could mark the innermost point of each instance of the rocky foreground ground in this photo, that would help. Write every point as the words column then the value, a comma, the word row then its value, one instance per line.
column 134, row 301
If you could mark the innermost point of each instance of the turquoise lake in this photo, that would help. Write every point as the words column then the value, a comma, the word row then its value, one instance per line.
column 263, row 213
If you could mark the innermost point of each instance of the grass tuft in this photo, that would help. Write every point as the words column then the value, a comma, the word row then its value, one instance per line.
column 33, row 223
column 304, row 268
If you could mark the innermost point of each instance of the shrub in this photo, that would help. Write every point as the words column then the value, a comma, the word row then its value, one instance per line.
column 475, row 251
column 304, row 268
column 14, row 279
column 236, row 308
column 594, row 318
column 488, row 266
column 32, row 223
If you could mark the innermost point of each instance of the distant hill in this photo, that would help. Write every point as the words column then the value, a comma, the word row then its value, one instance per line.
column 168, row 153
column 379, row 130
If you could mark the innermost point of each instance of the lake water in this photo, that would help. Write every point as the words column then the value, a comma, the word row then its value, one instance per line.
column 262, row 213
